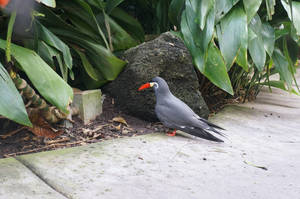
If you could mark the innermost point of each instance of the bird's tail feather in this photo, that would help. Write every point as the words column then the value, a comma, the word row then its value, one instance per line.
column 204, row 134
column 211, row 124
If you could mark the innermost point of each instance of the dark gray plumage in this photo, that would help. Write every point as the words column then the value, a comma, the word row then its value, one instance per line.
column 175, row 114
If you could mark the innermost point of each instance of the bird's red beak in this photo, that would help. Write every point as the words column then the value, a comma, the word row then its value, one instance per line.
column 147, row 85
column 144, row 86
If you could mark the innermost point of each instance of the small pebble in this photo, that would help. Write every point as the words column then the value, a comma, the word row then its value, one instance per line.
column 204, row 159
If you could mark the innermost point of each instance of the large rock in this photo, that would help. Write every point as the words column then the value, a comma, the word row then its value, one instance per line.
column 167, row 57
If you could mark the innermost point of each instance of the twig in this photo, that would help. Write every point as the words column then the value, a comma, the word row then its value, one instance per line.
column 58, row 141
column 12, row 133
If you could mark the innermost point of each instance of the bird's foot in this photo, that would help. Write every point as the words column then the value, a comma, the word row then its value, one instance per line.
column 173, row 133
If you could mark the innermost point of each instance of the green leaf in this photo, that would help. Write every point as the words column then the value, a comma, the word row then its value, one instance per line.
column 279, row 84
column 175, row 11
column 196, row 40
column 215, row 69
column 292, row 69
column 256, row 44
column 83, row 10
column 282, row 66
column 50, row 3
column 49, row 84
column 129, row 24
column 100, row 57
column 251, row 8
column 268, row 36
column 270, row 4
column 121, row 40
column 87, row 65
column 111, row 4
column 202, row 11
column 161, row 13
column 44, row 49
column 296, row 13
column 52, row 40
column 233, row 37
column 11, row 103
column 48, row 54
column 223, row 7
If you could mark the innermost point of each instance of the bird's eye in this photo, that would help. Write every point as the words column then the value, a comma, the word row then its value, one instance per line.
column 155, row 85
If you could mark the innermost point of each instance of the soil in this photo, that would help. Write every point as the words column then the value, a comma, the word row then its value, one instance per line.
column 102, row 128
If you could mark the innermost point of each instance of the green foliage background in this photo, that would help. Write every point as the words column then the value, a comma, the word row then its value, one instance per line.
column 76, row 42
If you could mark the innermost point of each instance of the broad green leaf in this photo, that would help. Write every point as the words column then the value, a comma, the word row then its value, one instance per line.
column 296, row 13
column 196, row 40
column 233, row 37
column 288, row 57
column 279, row 84
column 175, row 11
column 121, row 40
column 94, row 74
column 46, row 51
column 256, row 50
column 100, row 57
column 215, row 69
column 84, row 28
column 109, row 65
column 202, row 11
column 270, row 4
column 48, row 37
column 222, row 7
column 50, row 3
column 293, row 49
column 285, row 29
column 129, row 24
column 111, row 4
column 82, row 9
column 161, row 13
column 48, row 54
column 49, row 84
column 11, row 103
column 90, row 83
column 256, row 44
column 251, row 8
column 268, row 36
column 282, row 66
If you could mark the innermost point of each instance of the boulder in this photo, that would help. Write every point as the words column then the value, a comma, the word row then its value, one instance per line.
column 167, row 57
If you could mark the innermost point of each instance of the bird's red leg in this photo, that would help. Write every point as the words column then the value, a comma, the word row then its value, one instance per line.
column 173, row 133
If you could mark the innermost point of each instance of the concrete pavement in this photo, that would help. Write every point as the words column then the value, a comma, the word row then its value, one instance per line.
column 259, row 159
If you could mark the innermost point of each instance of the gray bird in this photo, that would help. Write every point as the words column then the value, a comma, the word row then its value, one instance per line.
column 175, row 114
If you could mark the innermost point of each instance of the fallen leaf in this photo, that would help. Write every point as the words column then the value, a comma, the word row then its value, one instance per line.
column 120, row 120
column 118, row 127
column 40, row 126
column 99, row 127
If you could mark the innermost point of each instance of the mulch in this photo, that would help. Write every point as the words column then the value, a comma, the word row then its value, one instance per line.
column 110, row 124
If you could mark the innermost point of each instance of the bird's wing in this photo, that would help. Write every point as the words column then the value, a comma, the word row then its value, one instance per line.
column 177, row 114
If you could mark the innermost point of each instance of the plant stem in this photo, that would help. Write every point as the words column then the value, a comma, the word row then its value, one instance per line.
column 9, row 34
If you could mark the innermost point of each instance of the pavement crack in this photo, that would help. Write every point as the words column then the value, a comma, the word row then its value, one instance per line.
column 28, row 166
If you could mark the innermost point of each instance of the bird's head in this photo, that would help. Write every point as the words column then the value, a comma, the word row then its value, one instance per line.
column 158, row 84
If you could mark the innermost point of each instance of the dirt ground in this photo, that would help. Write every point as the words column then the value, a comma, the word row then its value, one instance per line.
column 102, row 128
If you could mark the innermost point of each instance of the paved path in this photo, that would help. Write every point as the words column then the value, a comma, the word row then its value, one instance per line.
column 259, row 160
